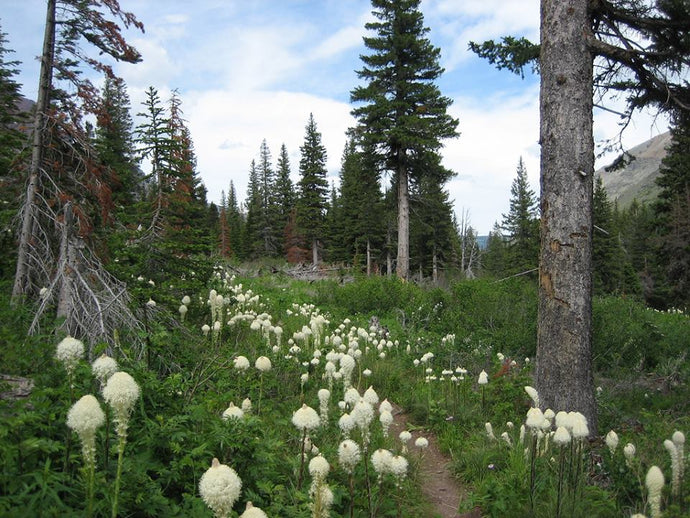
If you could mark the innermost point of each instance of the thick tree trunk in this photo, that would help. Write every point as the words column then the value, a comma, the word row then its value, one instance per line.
column 368, row 258
column 22, row 272
column 564, row 358
column 315, row 252
column 403, row 266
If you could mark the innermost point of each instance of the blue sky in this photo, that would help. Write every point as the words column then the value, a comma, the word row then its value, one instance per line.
column 253, row 70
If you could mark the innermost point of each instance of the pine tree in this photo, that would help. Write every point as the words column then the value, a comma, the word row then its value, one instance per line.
column 313, row 189
column 12, row 140
column 114, row 142
column 521, row 226
column 235, row 223
column 361, row 206
column 154, row 143
column 11, row 118
column 431, row 227
column 252, row 243
column 268, row 213
column 284, row 193
column 493, row 258
column 673, row 212
column 404, row 116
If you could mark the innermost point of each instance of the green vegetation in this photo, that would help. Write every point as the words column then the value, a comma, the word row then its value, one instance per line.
column 425, row 356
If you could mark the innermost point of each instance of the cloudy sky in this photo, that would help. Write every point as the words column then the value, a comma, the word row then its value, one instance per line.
column 249, row 70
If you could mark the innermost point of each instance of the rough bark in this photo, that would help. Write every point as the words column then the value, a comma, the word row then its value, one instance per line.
column 368, row 258
column 21, row 277
column 564, row 360
column 403, row 265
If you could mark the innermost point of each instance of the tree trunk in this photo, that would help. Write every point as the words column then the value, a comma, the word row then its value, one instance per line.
column 22, row 273
column 368, row 258
column 403, row 266
column 564, row 359
column 315, row 252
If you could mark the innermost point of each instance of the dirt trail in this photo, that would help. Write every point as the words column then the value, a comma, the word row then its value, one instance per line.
column 439, row 485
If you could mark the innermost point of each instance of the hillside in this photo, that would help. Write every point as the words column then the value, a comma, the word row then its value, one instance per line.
column 635, row 180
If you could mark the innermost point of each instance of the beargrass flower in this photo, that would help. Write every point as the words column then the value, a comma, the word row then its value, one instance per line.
column 346, row 424
column 306, row 418
column 386, row 420
column 533, row 394
column 675, row 466
column 483, row 378
column 186, row 301
column 84, row 418
column 253, row 512
column 205, row 329
column 678, row 439
column 612, row 441
column 535, row 418
column 562, row 436
column 319, row 467
column 351, row 396
column 151, row 303
column 363, row 415
column 398, row 468
column 489, row 431
column 381, row 460
column 103, row 367
column 220, row 488
column 506, row 438
column 232, row 412
column 69, row 352
column 324, row 396
column 241, row 363
column 246, row 405
column 349, row 455
column 263, row 364
column 655, row 483
column 421, row 442
column 385, row 406
column 121, row 392
column 629, row 453
column 371, row 397
column 580, row 430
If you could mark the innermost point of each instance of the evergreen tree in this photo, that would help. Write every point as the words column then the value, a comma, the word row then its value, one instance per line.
column 235, row 223
column 268, row 213
column 612, row 270
column 361, row 206
column 11, row 118
column 403, row 117
column 252, row 242
column 114, row 142
column 494, row 257
column 186, row 209
column 11, row 142
column 521, row 226
column 673, row 212
column 431, row 227
column 313, row 189
column 284, row 193
column 154, row 143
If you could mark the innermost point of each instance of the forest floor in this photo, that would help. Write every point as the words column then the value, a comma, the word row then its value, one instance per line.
column 441, row 489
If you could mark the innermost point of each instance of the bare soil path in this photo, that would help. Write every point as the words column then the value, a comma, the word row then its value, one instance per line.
column 439, row 486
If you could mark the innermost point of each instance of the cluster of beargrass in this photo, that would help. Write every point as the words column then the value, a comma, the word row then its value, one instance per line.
column 283, row 389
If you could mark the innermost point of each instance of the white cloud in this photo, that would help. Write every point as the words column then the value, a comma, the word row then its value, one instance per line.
column 228, row 127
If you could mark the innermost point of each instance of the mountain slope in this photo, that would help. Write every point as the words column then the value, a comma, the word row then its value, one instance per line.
column 635, row 180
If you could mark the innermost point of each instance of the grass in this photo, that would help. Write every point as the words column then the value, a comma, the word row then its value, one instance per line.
column 189, row 379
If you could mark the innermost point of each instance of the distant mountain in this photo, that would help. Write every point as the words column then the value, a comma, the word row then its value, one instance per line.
column 631, row 176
